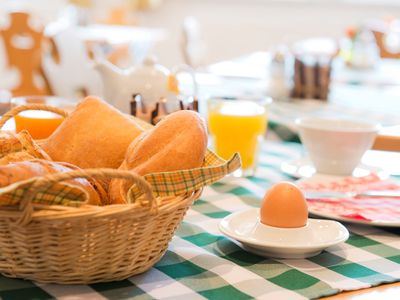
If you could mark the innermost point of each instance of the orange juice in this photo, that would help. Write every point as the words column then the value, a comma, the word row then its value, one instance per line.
column 237, row 126
column 40, row 124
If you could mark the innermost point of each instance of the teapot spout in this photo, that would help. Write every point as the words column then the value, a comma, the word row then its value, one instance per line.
column 108, row 71
column 113, row 79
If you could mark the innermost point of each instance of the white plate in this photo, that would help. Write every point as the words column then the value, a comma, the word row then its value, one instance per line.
column 319, row 178
column 355, row 221
column 263, row 240
column 303, row 168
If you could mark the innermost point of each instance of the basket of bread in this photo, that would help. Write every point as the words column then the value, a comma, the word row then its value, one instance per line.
column 100, row 198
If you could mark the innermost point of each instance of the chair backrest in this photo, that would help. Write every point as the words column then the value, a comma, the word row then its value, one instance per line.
column 22, row 49
column 380, row 41
column 192, row 44
column 388, row 139
column 69, row 68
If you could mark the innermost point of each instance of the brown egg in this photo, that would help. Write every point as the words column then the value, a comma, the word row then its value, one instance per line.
column 284, row 206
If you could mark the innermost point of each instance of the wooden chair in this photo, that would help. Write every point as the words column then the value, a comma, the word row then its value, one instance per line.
column 23, row 52
column 192, row 44
column 388, row 139
column 380, row 41
column 69, row 69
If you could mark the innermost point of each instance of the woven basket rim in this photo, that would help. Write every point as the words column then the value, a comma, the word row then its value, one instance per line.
column 89, row 243
column 59, row 212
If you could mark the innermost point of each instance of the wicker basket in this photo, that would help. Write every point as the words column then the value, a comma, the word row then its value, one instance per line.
column 88, row 244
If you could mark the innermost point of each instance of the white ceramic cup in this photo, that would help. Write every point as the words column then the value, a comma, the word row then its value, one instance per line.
column 336, row 146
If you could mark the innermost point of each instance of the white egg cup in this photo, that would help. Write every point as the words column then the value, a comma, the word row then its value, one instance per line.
column 268, row 241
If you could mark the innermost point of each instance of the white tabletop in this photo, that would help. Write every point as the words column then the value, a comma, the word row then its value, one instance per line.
column 255, row 66
column 372, row 94
column 111, row 34
column 116, row 34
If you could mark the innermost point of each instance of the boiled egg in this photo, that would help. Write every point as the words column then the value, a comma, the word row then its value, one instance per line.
column 284, row 206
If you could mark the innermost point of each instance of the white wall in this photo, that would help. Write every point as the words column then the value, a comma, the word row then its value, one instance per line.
column 45, row 10
column 235, row 27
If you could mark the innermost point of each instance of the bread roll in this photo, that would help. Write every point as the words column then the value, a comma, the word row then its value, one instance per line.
column 14, row 157
column 96, row 183
column 9, row 143
column 23, row 170
column 177, row 142
column 19, row 147
column 94, row 135
column 29, row 146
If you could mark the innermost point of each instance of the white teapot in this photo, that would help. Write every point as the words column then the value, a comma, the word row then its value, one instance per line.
column 151, row 80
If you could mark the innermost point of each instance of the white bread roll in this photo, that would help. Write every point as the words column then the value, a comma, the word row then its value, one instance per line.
column 177, row 142
column 94, row 135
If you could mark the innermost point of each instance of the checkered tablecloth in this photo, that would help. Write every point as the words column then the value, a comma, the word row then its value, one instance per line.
column 203, row 264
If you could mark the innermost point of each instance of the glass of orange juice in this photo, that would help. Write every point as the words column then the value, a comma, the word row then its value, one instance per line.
column 40, row 124
column 238, row 126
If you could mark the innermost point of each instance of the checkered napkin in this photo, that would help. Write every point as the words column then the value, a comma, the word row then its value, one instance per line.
column 382, row 209
column 164, row 184
column 55, row 194
column 180, row 182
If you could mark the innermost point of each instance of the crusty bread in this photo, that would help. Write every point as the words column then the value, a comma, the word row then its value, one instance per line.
column 15, row 156
column 14, row 172
column 96, row 183
column 9, row 143
column 177, row 142
column 19, row 147
column 29, row 146
column 94, row 135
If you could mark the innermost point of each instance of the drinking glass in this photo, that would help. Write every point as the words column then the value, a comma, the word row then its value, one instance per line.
column 238, row 125
column 40, row 124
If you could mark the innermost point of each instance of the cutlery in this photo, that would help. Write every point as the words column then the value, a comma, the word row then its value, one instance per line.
column 334, row 194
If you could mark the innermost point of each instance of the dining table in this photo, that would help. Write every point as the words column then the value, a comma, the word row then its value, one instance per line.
column 203, row 263
column 371, row 93
column 104, row 39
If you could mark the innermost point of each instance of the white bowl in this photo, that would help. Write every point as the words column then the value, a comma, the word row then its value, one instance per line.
column 336, row 146
column 269, row 241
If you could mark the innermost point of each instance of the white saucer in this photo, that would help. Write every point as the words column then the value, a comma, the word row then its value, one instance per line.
column 268, row 241
column 303, row 168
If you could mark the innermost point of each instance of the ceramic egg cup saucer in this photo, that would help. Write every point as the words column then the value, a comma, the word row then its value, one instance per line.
column 268, row 241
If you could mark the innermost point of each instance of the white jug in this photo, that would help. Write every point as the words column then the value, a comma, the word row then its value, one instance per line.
column 151, row 80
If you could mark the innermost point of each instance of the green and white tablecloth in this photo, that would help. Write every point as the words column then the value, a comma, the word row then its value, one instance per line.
column 203, row 264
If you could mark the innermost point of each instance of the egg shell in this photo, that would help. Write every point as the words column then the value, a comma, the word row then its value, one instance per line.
column 284, row 206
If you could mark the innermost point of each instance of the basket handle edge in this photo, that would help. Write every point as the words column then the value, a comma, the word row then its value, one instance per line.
column 44, row 182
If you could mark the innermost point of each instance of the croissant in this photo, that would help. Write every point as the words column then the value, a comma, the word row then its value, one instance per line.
column 19, row 147
column 15, row 156
column 17, row 171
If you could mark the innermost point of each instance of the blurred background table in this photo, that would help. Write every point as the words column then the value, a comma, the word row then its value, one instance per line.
column 115, row 41
column 372, row 94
